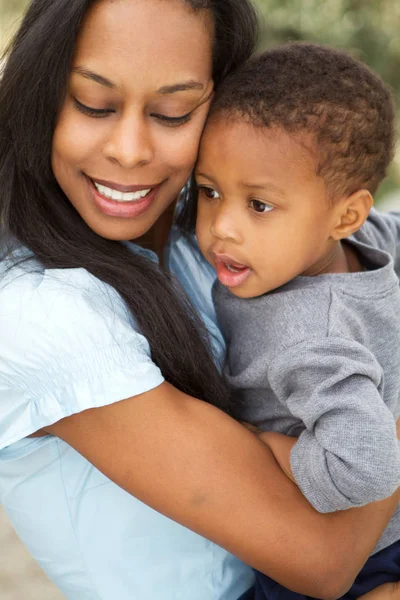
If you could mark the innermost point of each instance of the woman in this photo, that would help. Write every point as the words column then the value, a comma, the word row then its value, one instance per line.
column 101, row 109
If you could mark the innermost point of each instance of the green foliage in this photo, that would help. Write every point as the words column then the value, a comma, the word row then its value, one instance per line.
column 369, row 29
column 10, row 14
column 11, row 8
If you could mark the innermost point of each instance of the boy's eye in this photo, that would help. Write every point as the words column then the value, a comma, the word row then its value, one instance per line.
column 260, row 207
column 96, row 113
column 208, row 192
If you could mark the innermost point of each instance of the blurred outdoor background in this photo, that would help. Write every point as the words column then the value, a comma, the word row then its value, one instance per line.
column 370, row 30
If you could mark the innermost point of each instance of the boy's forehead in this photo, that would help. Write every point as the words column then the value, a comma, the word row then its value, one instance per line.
column 235, row 136
column 239, row 159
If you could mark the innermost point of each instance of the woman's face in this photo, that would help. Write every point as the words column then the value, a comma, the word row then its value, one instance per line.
column 128, row 132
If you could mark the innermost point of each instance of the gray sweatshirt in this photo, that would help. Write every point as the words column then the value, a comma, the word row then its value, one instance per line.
column 319, row 359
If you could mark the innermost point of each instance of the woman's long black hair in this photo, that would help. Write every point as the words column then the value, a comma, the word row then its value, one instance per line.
column 34, row 210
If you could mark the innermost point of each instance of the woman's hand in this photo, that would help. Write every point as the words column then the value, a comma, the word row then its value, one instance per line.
column 193, row 463
column 386, row 591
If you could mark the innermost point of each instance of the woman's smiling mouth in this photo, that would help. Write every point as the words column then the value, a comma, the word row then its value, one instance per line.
column 118, row 196
column 117, row 200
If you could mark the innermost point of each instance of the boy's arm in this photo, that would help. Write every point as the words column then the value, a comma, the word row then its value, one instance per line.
column 348, row 455
column 281, row 446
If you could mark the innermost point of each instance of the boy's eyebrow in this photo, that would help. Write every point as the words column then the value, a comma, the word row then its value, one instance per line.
column 269, row 187
column 198, row 174
column 181, row 86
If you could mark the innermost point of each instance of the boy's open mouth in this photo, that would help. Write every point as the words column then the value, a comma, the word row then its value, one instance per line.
column 231, row 273
column 235, row 268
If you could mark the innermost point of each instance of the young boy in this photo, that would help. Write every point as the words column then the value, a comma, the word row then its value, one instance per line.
column 308, row 298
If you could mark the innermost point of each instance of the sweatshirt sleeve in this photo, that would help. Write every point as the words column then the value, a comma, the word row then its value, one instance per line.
column 348, row 455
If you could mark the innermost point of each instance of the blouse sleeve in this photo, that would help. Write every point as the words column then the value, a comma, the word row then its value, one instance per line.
column 67, row 344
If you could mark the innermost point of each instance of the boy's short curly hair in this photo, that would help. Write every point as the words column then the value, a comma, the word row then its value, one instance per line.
column 345, row 107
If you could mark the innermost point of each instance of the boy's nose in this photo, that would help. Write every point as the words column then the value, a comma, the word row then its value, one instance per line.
column 226, row 227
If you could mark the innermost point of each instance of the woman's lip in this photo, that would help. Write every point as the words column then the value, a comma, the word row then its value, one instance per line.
column 123, row 210
column 126, row 189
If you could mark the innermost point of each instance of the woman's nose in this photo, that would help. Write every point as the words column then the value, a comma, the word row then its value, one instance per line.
column 130, row 143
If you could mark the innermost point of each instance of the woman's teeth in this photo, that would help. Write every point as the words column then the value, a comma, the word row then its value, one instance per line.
column 120, row 196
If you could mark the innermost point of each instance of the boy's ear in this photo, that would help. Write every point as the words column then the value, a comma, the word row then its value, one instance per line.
column 350, row 213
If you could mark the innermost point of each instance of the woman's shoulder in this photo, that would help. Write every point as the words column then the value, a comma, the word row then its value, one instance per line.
column 29, row 291
column 67, row 343
column 33, row 296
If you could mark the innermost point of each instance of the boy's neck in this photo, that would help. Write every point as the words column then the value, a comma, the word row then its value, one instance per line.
column 353, row 262
column 341, row 258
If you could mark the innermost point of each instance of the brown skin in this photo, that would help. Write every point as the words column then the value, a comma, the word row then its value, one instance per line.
column 156, row 238
column 186, row 459
column 279, row 225
column 135, row 143
column 387, row 591
column 196, row 465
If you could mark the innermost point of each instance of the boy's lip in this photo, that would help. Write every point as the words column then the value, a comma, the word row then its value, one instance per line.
column 126, row 189
column 229, row 278
column 226, row 258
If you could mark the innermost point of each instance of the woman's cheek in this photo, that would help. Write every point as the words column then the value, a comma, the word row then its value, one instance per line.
column 77, row 137
column 190, row 138
column 189, row 148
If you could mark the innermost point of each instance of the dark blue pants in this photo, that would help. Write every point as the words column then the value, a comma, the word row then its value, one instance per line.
column 379, row 568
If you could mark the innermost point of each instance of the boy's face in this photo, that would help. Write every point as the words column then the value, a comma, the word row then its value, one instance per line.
column 263, row 215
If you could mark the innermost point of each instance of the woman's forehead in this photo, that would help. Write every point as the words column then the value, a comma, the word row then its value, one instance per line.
column 138, row 36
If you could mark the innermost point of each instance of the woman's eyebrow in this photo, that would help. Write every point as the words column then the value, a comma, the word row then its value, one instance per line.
column 94, row 77
column 182, row 86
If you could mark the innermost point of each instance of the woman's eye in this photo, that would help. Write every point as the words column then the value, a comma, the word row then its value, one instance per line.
column 208, row 192
column 173, row 121
column 96, row 113
column 260, row 207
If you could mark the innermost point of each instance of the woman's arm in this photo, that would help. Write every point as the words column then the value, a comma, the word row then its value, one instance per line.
column 196, row 465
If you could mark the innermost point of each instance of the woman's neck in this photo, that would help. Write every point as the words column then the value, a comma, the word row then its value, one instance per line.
column 156, row 238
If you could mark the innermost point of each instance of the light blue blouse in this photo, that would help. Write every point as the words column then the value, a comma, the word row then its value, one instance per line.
column 67, row 343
